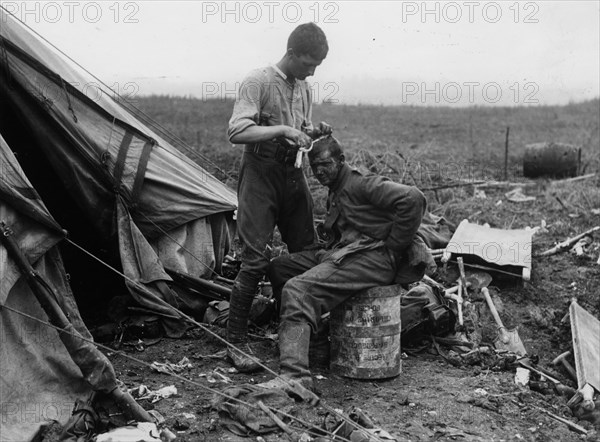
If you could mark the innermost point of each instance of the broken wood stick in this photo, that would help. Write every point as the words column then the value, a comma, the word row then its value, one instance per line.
column 275, row 418
column 573, row 426
column 568, row 243
column 451, row 185
column 577, row 178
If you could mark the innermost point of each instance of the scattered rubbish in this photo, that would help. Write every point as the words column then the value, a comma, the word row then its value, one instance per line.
column 304, row 437
column 561, row 360
column 222, row 354
column 481, row 392
column 138, row 345
column 216, row 376
column 568, row 243
column 143, row 392
column 170, row 368
column 572, row 426
column 522, row 376
column 479, row 193
column 239, row 411
column 181, row 425
column 363, row 431
column 583, row 246
column 141, row 432
column 320, row 377
column 542, row 228
column 476, row 356
column 217, row 313
column 517, row 196
column 595, row 211
column 487, row 402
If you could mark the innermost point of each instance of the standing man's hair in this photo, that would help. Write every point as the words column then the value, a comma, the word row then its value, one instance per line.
column 328, row 143
column 308, row 39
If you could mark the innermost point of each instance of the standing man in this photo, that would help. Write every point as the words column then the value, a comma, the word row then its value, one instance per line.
column 371, row 227
column 272, row 118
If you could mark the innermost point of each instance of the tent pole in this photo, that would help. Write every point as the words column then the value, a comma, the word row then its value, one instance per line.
column 94, row 365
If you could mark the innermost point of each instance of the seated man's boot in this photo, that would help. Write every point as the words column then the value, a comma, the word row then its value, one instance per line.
column 295, row 377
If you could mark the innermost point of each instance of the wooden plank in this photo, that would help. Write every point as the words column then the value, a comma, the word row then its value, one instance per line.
column 585, row 329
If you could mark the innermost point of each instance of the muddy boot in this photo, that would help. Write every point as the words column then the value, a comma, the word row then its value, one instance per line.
column 244, row 363
column 294, row 343
column 295, row 378
column 237, row 330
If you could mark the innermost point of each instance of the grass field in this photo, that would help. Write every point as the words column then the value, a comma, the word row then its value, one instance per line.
column 465, row 136
column 425, row 146
column 432, row 399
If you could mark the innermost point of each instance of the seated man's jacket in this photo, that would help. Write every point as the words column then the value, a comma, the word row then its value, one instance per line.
column 365, row 212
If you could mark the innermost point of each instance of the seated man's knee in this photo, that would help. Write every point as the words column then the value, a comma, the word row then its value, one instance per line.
column 295, row 299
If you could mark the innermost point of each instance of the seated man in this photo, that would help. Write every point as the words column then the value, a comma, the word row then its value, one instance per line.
column 370, row 225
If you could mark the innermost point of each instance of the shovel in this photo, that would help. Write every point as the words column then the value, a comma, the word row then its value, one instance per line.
column 477, row 280
column 507, row 339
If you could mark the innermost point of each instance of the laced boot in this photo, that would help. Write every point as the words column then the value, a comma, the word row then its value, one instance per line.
column 244, row 363
column 237, row 331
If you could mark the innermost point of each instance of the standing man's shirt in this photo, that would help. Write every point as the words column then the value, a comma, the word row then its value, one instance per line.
column 267, row 98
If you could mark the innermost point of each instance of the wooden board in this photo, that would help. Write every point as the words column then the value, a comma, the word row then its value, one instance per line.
column 585, row 329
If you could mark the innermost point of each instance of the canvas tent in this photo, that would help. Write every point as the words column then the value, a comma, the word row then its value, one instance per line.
column 106, row 176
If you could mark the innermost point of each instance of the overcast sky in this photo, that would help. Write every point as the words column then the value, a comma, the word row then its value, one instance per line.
column 431, row 53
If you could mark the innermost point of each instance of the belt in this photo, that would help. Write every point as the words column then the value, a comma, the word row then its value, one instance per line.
column 279, row 153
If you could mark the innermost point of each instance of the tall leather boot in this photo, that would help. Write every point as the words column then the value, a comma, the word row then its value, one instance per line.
column 237, row 328
column 294, row 377
column 294, row 343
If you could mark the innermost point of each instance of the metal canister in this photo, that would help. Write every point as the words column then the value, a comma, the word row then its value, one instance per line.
column 365, row 334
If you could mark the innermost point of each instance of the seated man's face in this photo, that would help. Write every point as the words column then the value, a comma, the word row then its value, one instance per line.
column 325, row 167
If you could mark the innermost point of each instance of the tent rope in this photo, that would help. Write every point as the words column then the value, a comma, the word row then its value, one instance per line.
column 175, row 375
column 207, row 330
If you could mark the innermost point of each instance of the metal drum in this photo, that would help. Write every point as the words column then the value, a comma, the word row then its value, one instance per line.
column 365, row 335
column 551, row 159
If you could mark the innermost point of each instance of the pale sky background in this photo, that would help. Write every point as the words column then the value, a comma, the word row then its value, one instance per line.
column 424, row 53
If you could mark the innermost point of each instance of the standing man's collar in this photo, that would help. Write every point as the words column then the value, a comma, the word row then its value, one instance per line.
column 282, row 75
column 279, row 71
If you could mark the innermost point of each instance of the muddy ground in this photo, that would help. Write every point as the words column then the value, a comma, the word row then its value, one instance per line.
column 432, row 399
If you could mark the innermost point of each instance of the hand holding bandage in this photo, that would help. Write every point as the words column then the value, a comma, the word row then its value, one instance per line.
column 301, row 150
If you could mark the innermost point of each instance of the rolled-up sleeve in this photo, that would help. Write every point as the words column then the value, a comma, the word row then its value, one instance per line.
column 246, row 110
